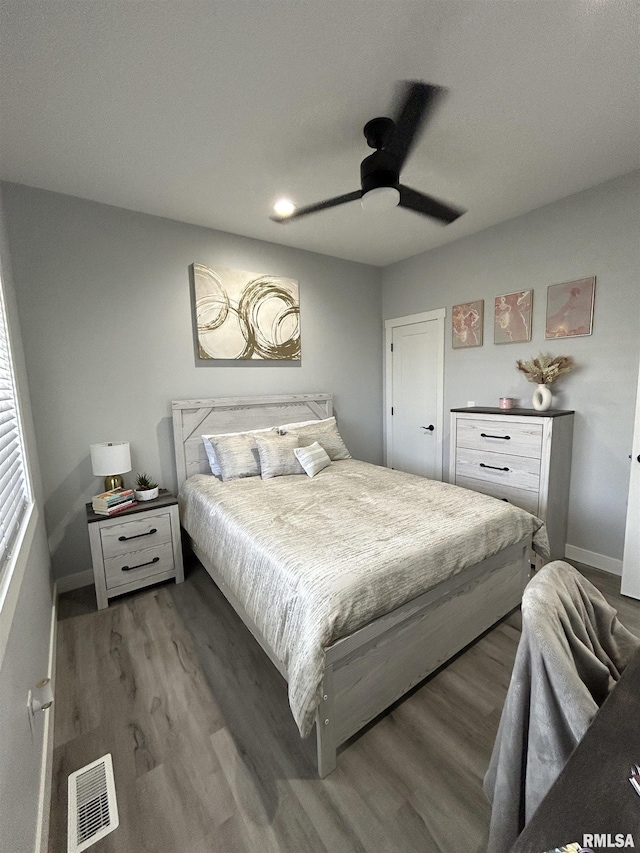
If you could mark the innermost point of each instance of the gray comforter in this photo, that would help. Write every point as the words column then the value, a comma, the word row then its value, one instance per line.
column 312, row 560
column 572, row 652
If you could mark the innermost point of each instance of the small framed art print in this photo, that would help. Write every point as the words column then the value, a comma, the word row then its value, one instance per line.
column 467, row 321
column 512, row 317
column 570, row 308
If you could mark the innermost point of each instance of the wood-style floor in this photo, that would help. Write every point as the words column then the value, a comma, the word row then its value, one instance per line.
column 206, row 755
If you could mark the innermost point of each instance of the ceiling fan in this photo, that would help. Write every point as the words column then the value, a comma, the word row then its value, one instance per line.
column 393, row 141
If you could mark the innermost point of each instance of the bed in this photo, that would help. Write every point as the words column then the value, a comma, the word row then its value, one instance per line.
column 357, row 583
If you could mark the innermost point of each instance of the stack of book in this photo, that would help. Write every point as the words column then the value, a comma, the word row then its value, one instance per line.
column 109, row 503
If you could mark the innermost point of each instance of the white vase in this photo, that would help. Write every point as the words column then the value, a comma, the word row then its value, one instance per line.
column 146, row 494
column 542, row 398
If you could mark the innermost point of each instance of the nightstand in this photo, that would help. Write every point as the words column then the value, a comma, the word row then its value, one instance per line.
column 136, row 547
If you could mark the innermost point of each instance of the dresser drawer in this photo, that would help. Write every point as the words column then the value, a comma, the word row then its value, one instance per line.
column 518, row 497
column 503, row 436
column 520, row 472
column 144, row 531
column 136, row 565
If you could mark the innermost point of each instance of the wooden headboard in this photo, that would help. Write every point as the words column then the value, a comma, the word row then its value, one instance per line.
column 194, row 418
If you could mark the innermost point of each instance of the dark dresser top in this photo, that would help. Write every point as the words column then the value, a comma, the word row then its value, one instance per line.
column 532, row 413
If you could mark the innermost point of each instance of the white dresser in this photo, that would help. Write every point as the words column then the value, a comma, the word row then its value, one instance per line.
column 518, row 455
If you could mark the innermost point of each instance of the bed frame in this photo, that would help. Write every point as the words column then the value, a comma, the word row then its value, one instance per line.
column 368, row 670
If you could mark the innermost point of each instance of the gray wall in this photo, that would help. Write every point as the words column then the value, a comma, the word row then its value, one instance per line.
column 104, row 302
column 595, row 232
column 26, row 655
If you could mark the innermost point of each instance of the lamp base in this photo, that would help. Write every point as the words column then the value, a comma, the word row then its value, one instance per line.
column 113, row 481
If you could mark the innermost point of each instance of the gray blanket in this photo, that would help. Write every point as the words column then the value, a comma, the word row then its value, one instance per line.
column 572, row 652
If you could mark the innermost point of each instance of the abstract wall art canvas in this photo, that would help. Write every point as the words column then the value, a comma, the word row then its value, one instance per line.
column 570, row 308
column 512, row 317
column 467, row 323
column 245, row 315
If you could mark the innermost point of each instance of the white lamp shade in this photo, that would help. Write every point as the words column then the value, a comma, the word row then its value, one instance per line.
column 110, row 458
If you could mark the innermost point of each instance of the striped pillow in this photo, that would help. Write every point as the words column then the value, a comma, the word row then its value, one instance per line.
column 277, row 455
column 313, row 458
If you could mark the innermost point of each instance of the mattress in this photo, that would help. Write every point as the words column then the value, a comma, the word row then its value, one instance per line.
column 312, row 560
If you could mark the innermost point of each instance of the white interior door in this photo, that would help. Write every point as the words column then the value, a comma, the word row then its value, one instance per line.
column 415, row 355
column 631, row 559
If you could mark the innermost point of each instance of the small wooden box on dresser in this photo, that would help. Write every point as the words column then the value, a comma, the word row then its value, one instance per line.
column 518, row 455
column 136, row 547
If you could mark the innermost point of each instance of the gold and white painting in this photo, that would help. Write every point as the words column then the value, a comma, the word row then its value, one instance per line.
column 246, row 315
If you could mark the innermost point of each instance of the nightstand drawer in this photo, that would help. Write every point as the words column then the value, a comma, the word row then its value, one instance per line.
column 514, row 438
column 518, row 497
column 136, row 532
column 520, row 472
column 137, row 565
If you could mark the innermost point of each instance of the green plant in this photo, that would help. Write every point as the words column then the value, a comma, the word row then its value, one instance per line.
column 144, row 482
column 544, row 370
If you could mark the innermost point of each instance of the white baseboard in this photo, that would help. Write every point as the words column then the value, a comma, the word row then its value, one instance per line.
column 590, row 558
column 69, row 582
column 44, row 796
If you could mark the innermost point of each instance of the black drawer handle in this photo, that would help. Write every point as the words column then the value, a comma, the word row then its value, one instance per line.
column 140, row 565
column 503, row 437
column 138, row 535
column 495, row 467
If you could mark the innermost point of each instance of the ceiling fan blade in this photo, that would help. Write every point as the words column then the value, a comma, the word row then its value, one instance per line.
column 321, row 205
column 427, row 205
column 420, row 100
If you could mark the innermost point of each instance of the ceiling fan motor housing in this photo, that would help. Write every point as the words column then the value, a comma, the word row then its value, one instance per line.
column 379, row 170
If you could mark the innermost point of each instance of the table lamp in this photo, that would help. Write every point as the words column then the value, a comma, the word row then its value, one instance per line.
column 110, row 460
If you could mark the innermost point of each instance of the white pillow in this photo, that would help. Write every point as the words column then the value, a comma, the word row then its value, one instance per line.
column 211, row 454
column 285, row 427
column 313, row 458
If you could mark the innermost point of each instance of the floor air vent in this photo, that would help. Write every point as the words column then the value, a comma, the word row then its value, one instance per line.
column 93, row 811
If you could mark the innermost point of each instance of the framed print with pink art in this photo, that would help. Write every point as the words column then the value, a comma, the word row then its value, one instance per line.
column 570, row 308
column 512, row 317
column 467, row 322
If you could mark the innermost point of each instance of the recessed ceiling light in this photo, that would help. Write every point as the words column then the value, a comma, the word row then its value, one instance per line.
column 284, row 207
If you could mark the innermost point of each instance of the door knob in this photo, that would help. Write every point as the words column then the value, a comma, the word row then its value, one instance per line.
column 430, row 427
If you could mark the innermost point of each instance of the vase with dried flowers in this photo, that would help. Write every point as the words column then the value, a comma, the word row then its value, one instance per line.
column 543, row 371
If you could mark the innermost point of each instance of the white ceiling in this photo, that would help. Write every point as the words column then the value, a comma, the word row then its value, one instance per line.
column 206, row 112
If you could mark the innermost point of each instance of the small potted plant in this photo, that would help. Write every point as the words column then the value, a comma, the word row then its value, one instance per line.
column 145, row 489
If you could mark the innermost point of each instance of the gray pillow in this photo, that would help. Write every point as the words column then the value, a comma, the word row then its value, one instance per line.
column 277, row 457
column 326, row 434
column 237, row 455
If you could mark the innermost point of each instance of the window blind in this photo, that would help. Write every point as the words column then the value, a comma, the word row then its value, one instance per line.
column 14, row 488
